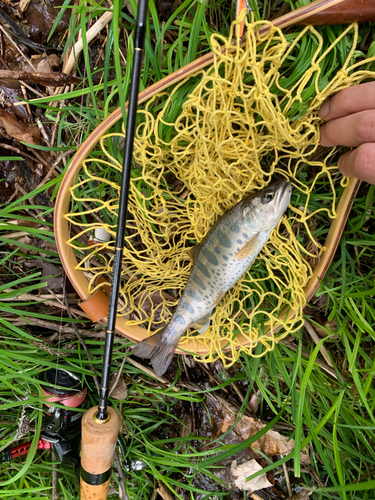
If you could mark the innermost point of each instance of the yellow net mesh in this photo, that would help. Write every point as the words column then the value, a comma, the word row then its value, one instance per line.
column 232, row 135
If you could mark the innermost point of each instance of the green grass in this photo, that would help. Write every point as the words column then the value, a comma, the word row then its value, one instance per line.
column 332, row 415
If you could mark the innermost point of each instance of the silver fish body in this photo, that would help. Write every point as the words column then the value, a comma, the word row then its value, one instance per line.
column 220, row 260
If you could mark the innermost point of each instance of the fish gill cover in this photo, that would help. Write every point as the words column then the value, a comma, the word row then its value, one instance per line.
column 199, row 149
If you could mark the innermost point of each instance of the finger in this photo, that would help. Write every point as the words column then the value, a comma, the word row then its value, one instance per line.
column 348, row 101
column 359, row 163
column 351, row 130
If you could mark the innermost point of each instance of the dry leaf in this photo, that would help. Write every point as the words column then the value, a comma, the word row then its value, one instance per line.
column 18, row 130
column 43, row 66
column 254, row 402
column 235, row 476
column 120, row 391
column 241, row 472
column 328, row 325
column 41, row 15
column 271, row 443
column 22, row 6
column 55, row 282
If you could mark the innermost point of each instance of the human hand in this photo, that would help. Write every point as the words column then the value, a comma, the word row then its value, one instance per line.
column 350, row 117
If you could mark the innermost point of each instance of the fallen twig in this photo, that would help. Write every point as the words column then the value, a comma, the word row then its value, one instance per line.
column 17, row 150
column 123, row 495
column 151, row 373
column 116, row 381
column 46, row 79
column 286, row 475
column 53, row 168
column 44, row 324
column 90, row 35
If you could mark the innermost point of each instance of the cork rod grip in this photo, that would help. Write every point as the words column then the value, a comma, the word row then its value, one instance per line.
column 98, row 448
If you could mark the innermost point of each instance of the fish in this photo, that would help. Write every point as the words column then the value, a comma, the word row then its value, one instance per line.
column 219, row 261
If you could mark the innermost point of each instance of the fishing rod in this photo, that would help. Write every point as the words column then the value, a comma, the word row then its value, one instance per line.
column 101, row 424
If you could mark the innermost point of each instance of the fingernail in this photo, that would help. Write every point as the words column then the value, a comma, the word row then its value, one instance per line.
column 343, row 164
column 324, row 140
column 324, row 110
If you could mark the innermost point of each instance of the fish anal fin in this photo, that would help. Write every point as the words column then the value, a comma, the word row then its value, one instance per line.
column 247, row 249
column 194, row 251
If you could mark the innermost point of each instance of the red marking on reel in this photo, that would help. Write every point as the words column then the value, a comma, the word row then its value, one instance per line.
column 23, row 449
column 73, row 401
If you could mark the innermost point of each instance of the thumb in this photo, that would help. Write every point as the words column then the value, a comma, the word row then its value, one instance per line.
column 359, row 163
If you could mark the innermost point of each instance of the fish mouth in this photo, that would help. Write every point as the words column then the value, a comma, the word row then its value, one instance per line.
column 283, row 196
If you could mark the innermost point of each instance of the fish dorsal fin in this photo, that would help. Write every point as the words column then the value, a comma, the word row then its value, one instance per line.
column 194, row 251
column 247, row 249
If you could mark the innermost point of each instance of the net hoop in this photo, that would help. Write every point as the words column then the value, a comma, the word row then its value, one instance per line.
column 61, row 225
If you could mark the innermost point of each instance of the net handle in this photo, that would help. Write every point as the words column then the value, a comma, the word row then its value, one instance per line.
column 61, row 227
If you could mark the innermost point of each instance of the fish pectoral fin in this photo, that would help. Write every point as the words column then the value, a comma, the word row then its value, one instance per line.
column 221, row 295
column 247, row 249
column 194, row 251
column 203, row 323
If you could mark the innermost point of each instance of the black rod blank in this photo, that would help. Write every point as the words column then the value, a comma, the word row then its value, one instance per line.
column 139, row 40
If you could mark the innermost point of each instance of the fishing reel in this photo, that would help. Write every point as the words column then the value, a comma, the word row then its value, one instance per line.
column 61, row 427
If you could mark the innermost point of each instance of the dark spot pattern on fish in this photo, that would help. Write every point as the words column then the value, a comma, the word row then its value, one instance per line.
column 235, row 228
column 194, row 295
column 224, row 257
column 203, row 269
column 224, row 240
column 210, row 257
column 179, row 319
column 199, row 282
column 188, row 307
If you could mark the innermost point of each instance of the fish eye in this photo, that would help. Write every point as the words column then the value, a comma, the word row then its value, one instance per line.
column 268, row 197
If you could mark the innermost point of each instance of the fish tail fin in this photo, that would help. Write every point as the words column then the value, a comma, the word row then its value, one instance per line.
column 159, row 348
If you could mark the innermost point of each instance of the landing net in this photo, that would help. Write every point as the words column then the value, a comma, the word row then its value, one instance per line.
column 199, row 149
